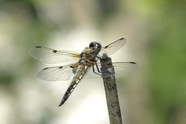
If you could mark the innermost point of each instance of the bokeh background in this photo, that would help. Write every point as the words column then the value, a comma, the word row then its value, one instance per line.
column 156, row 39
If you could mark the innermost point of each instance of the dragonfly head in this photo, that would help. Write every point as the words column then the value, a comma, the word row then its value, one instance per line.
column 95, row 45
column 92, row 51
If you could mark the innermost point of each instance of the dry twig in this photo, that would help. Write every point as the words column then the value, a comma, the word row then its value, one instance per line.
column 110, row 90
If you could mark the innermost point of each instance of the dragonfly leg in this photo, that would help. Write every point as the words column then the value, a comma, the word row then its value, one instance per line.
column 94, row 71
column 97, row 67
column 98, row 58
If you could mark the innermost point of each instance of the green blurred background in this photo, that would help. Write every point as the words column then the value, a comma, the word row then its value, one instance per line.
column 156, row 39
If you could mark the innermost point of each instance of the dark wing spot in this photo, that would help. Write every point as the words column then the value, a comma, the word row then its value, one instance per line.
column 106, row 46
column 54, row 51
column 45, row 68
column 121, row 38
column 38, row 46
column 60, row 67
column 132, row 62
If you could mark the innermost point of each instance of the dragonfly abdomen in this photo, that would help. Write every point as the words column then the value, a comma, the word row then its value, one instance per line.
column 77, row 77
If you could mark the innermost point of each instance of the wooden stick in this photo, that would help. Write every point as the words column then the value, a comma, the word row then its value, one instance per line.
column 110, row 90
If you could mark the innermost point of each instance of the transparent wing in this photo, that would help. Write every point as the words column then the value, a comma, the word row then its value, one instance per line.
column 57, row 73
column 63, row 73
column 119, row 68
column 113, row 47
column 52, row 56
column 124, row 67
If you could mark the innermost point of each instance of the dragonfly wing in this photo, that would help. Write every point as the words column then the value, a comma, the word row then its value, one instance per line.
column 124, row 67
column 52, row 56
column 119, row 68
column 113, row 47
column 57, row 73
column 63, row 73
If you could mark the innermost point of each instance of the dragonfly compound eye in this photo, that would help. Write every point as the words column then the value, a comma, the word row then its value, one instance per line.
column 98, row 45
column 92, row 44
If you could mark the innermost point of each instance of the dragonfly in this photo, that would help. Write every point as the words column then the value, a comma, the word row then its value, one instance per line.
column 83, row 65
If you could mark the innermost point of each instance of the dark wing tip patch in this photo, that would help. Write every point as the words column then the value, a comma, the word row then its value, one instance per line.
column 132, row 62
column 45, row 68
column 121, row 38
column 38, row 46
column 106, row 46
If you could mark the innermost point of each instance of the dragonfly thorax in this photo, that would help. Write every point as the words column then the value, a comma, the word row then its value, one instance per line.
column 91, row 52
column 82, row 60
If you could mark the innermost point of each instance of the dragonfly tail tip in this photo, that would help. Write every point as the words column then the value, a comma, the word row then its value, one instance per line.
column 60, row 105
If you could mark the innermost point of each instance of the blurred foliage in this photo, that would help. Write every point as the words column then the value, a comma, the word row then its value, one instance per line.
column 167, row 65
column 30, row 31
column 107, row 10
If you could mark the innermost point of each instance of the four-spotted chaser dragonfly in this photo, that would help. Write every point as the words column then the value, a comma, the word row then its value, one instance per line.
column 84, row 65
